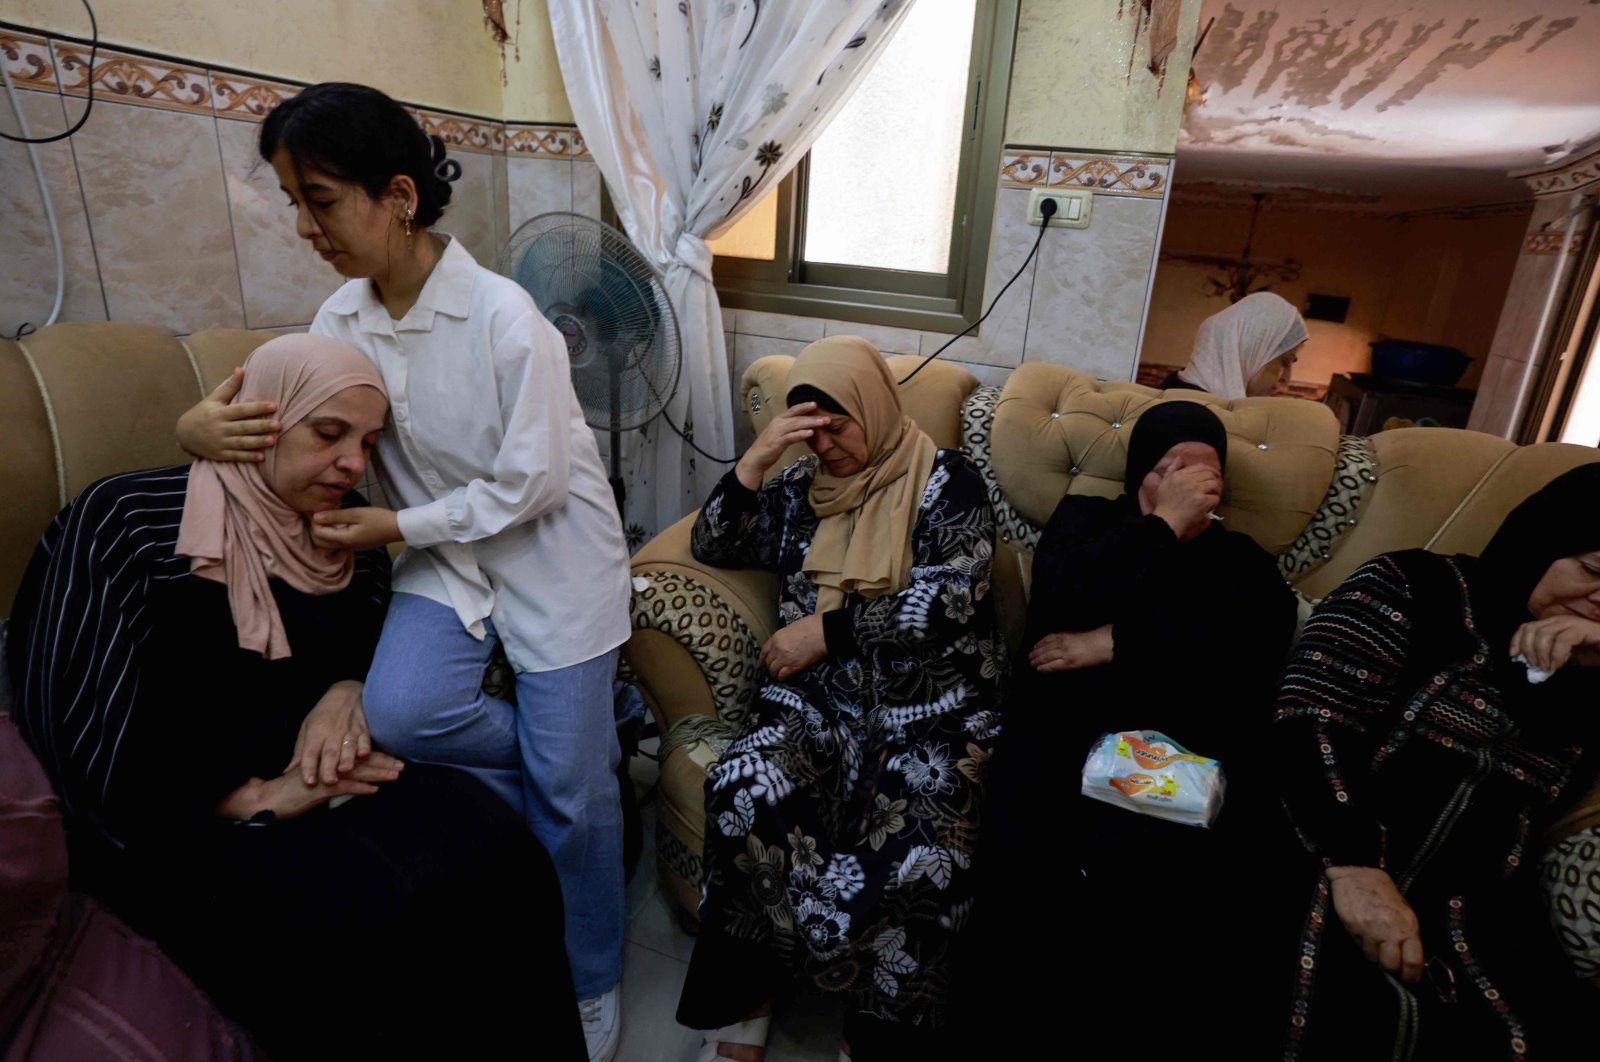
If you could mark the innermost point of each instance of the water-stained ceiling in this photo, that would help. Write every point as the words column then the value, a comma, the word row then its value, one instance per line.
column 1414, row 101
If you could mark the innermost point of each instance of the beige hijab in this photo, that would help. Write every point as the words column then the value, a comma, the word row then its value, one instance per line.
column 235, row 529
column 863, row 540
column 1231, row 346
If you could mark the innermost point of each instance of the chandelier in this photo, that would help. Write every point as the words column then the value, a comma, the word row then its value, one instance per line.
column 1241, row 275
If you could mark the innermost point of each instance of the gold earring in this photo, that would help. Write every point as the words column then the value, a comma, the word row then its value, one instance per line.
column 409, row 216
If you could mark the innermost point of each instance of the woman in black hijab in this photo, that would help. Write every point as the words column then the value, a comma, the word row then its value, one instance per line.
column 1420, row 761
column 1145, row 614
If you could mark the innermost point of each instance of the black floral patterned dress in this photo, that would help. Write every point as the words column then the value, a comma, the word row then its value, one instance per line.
column 841, row 821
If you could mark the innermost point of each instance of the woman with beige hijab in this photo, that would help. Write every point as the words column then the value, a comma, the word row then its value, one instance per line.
column 174, row 634
column 841, row 820
column 1245, row 350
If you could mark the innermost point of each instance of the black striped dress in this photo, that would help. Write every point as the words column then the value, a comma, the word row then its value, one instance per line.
column 113, row 644
column 1405, row 740
column 376, row 929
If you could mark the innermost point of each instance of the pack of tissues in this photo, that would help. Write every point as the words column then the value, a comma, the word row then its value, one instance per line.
column 1147, row 772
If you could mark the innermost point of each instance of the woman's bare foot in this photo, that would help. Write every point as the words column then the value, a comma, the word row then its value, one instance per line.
column 748, row 1052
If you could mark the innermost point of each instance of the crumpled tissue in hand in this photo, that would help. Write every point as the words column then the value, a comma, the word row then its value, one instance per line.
column 1535, row 675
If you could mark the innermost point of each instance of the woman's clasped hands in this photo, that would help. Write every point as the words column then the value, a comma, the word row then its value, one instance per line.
column 333, row 757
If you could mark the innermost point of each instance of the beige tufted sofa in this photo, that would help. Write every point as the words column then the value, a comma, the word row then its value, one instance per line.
column 1321, row 503
column 82, row 401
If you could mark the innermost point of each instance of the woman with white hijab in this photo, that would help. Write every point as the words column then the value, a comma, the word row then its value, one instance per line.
column 1243, row 351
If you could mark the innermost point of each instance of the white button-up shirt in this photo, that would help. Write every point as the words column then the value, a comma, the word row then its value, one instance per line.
column 503, row 503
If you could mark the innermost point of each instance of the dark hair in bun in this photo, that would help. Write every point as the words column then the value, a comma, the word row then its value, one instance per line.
column 358, row 134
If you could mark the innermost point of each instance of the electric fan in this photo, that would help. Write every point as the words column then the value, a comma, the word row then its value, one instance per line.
column 621, row 333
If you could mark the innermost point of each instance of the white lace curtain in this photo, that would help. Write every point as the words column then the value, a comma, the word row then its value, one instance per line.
column 693, row 110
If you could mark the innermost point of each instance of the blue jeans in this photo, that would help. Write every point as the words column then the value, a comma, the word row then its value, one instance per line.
column 553, row 756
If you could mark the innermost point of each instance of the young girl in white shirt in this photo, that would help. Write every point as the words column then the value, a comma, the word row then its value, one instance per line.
column 511, row 531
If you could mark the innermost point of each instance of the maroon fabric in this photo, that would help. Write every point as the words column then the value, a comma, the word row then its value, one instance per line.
column 108, row 994
column 33, row 861
column 76, row 985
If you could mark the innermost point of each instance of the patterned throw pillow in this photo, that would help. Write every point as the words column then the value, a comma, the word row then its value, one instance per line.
column 1572, row 883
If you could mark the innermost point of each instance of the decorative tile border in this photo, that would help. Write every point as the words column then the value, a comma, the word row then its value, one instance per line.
column 1110, row 174
column 463, row 134
column 38, row 61
column 1020, row 168
column 1550, row 242
column 133, row 78
column 1130, row 175
column 248, row 98
column 545, row 141
column 29, row 61
column 1568, row 178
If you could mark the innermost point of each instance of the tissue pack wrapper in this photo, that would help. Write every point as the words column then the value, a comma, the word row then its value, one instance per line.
column 1147, row 772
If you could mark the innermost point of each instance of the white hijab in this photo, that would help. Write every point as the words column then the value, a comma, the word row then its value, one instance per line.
column 1235, row 344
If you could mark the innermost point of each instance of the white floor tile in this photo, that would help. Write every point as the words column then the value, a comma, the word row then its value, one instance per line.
column 805, row 1029
column 650, row 1032
column 656, row 927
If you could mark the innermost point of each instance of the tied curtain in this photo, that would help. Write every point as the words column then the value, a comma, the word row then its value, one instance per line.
column 693, row 110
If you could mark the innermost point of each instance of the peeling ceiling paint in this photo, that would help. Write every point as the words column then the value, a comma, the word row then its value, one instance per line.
column 1473, row 88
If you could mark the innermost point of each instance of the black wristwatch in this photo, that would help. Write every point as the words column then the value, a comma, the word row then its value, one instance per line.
column 264, row 817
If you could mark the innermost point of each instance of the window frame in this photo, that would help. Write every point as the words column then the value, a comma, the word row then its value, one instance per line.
column 938, row 302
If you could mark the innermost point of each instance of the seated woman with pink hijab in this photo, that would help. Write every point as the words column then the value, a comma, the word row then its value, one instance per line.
column 1245, row 350
column 176, row 633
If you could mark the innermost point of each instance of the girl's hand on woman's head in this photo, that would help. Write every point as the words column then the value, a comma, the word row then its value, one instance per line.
column 217, row 429
column 1550, row 644
column 365, row 527
column 333, row 737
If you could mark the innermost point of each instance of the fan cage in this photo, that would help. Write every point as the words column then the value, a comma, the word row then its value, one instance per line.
column 621, row 333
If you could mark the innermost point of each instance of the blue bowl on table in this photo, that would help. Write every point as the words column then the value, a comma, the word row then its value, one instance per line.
column 1424, row 363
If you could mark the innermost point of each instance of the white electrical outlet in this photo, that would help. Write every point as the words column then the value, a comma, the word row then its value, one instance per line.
column 1072, row 207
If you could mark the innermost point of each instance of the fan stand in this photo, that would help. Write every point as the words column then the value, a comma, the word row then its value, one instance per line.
column 618, row 490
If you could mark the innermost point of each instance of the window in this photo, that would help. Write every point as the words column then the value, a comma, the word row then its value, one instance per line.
column 887, row 219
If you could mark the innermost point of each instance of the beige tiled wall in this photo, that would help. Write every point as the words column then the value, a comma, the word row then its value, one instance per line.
column 167, row 214
column 1079, row 303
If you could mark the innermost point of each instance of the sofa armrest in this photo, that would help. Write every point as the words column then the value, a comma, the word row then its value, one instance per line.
column 697, row 631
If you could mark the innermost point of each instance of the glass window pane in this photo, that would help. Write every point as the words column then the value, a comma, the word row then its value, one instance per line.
column 755, row 235
column 882, row 185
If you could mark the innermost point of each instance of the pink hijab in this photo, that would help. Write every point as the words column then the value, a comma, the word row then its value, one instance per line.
column 235, row 529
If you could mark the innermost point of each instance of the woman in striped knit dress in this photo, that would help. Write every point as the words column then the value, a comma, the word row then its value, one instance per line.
column 1420, row 758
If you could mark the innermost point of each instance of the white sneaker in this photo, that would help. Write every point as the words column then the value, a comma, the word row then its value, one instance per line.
column 602, row 1024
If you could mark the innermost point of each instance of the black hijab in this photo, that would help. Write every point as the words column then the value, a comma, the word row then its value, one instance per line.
column 1560, row 520
column 808, row 393
column 1165, row 425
